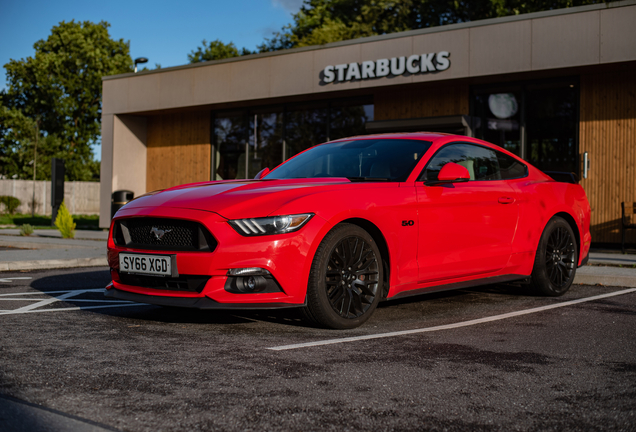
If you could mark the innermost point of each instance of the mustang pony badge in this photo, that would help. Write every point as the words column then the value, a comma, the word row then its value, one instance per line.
column 159, row 233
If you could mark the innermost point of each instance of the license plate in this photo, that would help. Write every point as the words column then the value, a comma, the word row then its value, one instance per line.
column 158, row 265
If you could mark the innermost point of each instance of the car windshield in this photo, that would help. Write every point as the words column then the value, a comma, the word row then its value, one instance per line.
column 358, row 160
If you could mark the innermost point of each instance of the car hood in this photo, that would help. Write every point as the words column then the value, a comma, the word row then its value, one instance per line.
column 236, row 199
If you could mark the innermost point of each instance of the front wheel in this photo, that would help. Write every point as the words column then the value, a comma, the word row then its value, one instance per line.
column 345, row 283
column 556, row 259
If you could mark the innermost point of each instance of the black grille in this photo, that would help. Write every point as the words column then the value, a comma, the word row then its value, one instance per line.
column 162, row 234
column 191, row 283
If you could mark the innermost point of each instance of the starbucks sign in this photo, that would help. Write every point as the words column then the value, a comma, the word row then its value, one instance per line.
column 415, row 64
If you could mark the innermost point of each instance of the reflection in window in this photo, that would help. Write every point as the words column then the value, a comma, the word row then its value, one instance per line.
column 266, row 150
column 231, row 132
column 304, row 128
column 349, row 120
column 545, row 111
column 480, row 162
column 248, row 141
column 551, row 124
column 497, row 119
column 510, row 168
column 371, row 159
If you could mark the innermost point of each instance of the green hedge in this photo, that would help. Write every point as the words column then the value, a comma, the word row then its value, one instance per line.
column 11, row 203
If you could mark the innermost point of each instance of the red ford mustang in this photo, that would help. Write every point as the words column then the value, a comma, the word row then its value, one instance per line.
column 346, row 224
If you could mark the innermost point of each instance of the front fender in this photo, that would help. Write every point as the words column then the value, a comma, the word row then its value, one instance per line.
column 385, row 205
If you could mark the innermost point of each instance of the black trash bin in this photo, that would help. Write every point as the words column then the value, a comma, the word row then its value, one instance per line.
column 118, row 199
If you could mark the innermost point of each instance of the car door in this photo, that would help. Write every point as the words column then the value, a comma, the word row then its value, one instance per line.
column 465, row 228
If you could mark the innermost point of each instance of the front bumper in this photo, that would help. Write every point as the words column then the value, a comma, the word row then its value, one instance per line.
column 285, row 256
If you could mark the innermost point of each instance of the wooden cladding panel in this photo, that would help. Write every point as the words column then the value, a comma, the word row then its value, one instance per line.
column 421, row 101
column 608, row 133
column 178, row 149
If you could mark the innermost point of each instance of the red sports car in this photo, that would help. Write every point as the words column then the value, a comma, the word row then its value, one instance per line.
column 346, row 224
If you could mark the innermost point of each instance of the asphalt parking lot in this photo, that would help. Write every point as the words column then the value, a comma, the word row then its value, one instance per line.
column 491, row 358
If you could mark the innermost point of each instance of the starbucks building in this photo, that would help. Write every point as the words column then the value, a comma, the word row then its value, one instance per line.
column 557, row 88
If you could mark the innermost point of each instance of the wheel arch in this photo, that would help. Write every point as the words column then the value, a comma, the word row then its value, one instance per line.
column 575, row 229
column 379, row 239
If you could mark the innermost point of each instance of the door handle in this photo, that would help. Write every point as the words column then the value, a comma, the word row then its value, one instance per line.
column 506, row 200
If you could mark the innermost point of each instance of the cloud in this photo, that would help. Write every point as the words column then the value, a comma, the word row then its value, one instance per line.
column 292, row 6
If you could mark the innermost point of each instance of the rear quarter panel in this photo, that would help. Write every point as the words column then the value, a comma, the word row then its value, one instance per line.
column 539, row 201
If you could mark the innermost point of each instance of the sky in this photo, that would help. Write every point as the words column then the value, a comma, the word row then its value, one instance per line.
column 163, row 31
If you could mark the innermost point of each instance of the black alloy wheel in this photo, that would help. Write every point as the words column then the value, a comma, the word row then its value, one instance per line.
column 352, row 277
column 345, row 283
column 559, row 257
column 556, row 260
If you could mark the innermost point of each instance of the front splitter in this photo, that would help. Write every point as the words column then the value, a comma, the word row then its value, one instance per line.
column 192, row 302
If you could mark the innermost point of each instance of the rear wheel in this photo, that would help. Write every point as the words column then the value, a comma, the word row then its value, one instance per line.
column 345, row 283
column 556, row 259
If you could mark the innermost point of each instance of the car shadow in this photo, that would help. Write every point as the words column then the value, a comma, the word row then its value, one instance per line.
column 511, row 289
column 177, row 315
column 95, row 279
column 90, row 278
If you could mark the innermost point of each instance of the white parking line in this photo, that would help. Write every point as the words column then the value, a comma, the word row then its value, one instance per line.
column 451, row 326
column 50, row 292
column 15, row 312
column 67, row 296
column 9, row 280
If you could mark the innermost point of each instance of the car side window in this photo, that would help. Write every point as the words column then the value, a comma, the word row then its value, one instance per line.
column 481, row 162
column 510, row 167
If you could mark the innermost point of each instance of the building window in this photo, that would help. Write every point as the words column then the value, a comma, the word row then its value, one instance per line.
column 247, row 141
column 498, row 118
column 231, row 132
column 552, row 126
column 537, row 121
column 266, row 140
column 348, row 118
column 305, row 126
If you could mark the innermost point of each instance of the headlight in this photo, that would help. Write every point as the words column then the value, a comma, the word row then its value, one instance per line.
column 270, row 225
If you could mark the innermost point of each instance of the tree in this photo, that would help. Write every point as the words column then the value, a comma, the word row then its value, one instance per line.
column 216, row 50
column 17, row 141
column 62, row 86
column 323, row 21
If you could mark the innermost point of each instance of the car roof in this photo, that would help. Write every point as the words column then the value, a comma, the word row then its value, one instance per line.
column 426, row 136
column 436, row 138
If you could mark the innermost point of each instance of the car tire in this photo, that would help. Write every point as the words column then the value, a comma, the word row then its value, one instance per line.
column 556, row 259
column 345, row 281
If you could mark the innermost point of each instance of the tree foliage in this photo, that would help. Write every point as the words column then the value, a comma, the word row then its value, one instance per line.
column 17, row 142
column 323, row 21
column 61, row 88
column 216, row 50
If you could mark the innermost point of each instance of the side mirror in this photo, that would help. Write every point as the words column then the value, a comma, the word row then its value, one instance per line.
column 262, row 173
column 451, row 173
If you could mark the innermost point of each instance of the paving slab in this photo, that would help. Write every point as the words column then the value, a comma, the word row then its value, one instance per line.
column 612, row 258
column 609, row 276
column 48, row 252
